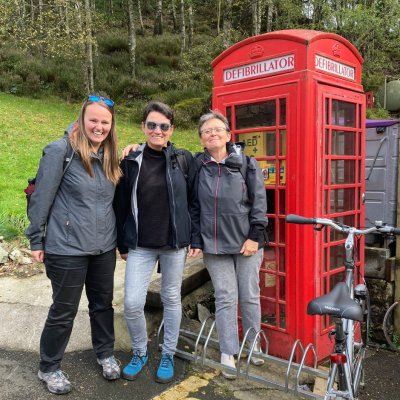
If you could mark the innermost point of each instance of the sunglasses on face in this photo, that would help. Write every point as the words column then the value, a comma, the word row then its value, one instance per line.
column 105, row 100
column 153, row 125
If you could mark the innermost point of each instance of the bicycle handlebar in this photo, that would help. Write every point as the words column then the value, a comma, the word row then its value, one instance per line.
column 378, row 227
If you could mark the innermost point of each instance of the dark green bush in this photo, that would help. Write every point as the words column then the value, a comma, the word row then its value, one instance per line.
column 187, row 112
column 113, row 41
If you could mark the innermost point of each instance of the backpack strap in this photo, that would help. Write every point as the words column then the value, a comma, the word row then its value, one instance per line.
column 69, row 155
column 181, row 159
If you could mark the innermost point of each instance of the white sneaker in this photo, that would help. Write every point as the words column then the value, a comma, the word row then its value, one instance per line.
column 256, row 360
column 228, row 361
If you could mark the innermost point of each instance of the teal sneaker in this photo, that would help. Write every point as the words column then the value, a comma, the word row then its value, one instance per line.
column 135, row 366
column 165, row 372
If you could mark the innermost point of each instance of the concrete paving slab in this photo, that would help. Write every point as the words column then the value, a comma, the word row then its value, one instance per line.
column 24, row 305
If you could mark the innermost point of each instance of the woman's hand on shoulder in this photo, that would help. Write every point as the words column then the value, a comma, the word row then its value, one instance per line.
column 129, row 148
column 249, row 248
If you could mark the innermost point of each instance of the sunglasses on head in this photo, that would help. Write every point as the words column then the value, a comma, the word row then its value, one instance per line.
column 105, row 100
column 153, row 125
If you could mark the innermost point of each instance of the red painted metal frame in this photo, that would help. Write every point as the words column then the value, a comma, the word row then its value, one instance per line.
column 305, row 89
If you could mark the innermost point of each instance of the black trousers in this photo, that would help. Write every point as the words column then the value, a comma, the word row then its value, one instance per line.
column 68, row 275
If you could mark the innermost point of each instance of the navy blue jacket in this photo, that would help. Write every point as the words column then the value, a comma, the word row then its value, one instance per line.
column 181, row 199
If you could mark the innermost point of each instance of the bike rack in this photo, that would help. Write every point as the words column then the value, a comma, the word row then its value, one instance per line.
column 290, row 365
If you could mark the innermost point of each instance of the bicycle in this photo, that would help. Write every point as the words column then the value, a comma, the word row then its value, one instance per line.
column 349, row 306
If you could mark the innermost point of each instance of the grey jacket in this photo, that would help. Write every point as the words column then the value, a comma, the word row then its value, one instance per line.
column 71, row 214
column 232, row 208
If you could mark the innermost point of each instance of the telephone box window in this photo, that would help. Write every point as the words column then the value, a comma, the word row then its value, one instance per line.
column 343, row 143
column 343, row 113
column 229, row 115
column 282, row 142
column 255, row 114
column 282, row 111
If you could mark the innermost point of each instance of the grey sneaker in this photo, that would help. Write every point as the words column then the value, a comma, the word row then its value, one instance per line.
column 57, row 382
column 111, row 370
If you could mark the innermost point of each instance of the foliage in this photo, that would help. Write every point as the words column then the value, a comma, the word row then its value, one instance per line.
column 44, row 120
column 377, row 113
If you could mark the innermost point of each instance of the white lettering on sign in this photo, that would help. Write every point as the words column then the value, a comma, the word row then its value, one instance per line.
column 260, row 68
column 334, row 67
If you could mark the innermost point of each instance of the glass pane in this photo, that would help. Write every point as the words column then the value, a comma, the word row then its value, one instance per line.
column 325, row 258
column 282, row 202
column 343, row 143
column 268, row 312
column 270, row 201
column 343, row 171
column 282, row 259
column 282, row 111
column 327, row 111
column 256, row 114
column 337, row 257
column 342, row 200
column 282, row 172
column 336, row 278
column 282, row 288
column 327, row 169
column 270, row 140
column 326, row 205
column 327, row 141
column 271, row 229
column 268, row 283
column 282, row 316
column 255, row 143
column 268, row 169
column 343, row 113
column 282, row 142
column 282, row 225
column 229, row 115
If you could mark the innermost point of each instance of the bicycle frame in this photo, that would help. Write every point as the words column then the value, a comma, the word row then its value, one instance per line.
column 345, row 364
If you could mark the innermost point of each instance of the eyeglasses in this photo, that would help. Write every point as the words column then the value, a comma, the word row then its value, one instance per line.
column 153, row 125
column 105, row 100
column 209, row 131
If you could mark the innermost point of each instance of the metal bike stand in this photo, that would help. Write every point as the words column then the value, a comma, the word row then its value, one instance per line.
column 206, row 340
column 303, row 359
column 253, row 344
column 292, row 354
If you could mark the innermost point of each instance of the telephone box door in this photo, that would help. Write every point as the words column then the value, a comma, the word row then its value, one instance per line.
column 342, row 151
column 262, row 121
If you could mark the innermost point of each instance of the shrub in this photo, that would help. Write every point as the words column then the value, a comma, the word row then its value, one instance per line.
column 112, row 42
column 188, row 112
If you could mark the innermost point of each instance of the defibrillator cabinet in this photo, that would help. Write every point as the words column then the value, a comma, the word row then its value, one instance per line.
column 295, row 98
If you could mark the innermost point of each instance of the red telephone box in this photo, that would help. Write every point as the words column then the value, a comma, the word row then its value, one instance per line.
column 295, row 98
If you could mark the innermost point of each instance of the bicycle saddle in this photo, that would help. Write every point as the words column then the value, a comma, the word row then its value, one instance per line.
column 337, row 303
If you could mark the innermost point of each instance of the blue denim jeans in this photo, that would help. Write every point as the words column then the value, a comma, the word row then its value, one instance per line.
column 236, row 280
column 139, row 268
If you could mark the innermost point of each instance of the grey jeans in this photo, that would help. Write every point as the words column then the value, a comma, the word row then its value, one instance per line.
column 139, row 268
column 236, row 280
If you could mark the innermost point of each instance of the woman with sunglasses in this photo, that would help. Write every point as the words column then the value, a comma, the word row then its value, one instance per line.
column 232, row 208
column 152, row 204
column 72, row 230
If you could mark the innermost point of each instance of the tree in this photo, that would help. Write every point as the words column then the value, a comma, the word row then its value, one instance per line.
column 140, row 18
column 183, row 28
column 89, row 48
column 158, row 25
column 132, row 39
column 227, row 24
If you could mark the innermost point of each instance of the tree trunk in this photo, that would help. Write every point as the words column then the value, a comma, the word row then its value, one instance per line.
column 110, row 7
column 32, row 12
column 158, row 25
column 173, row 15
column 227, row 24
column 89, row 48
column 256, row 14
column 219, row 17
column 183, row 28
column 132, row 39
column 140, row 18
column 191, row 30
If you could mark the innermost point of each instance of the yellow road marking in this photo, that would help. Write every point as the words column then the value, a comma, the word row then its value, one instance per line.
column 189, row 385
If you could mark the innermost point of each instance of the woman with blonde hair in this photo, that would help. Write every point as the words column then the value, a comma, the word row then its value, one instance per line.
column 72, row 230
